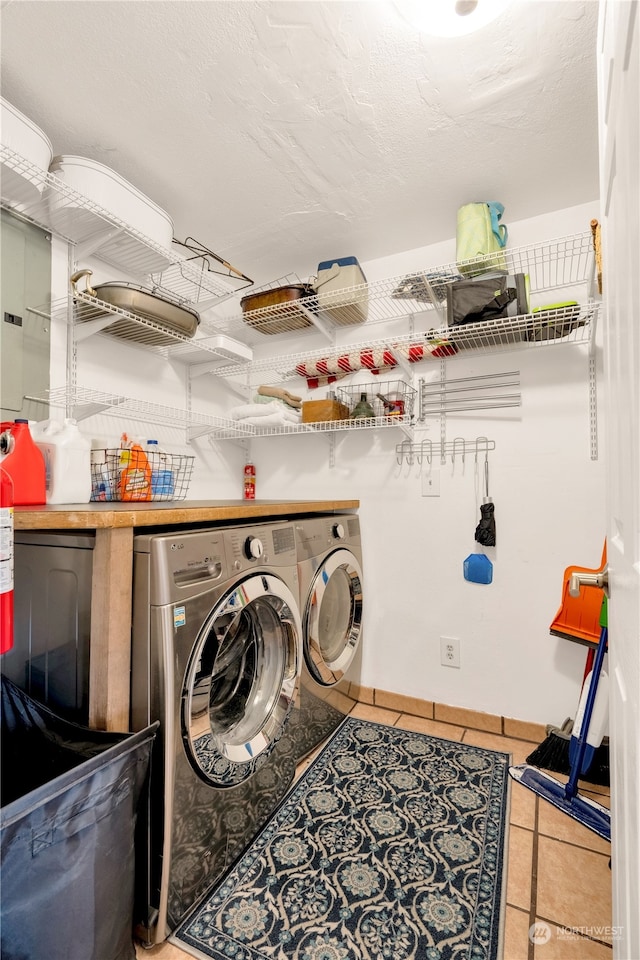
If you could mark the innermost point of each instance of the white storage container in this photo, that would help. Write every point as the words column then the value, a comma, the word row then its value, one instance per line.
column 67, row 457
column 103, row 186
column 342, row 291
column 22, row 183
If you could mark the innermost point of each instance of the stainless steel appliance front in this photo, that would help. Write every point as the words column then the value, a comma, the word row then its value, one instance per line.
column 216, row 658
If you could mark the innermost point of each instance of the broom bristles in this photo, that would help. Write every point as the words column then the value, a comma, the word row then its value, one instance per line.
column 553, row 754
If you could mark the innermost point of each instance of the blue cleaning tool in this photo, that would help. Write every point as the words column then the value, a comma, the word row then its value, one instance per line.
column 477, row 568
column 565, row 797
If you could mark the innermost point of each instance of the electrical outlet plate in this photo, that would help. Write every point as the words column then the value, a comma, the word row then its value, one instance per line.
column 431, row 484
column 450, row 652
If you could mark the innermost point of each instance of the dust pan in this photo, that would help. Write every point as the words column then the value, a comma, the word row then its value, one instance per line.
column 477, row 568
column 579, row 617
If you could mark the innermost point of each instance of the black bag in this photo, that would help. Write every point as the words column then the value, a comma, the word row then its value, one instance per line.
column 487, row 298
column 67, row 826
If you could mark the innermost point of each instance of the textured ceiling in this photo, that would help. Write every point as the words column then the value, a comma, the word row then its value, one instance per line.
column 284, row 133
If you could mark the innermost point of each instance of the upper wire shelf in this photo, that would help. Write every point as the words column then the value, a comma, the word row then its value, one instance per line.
column 46, row 200
column 550, row 265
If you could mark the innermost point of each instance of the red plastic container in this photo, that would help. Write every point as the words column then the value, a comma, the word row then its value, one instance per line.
column 24, row 463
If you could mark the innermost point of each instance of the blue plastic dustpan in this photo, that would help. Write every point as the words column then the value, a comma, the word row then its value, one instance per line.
column 478, row 568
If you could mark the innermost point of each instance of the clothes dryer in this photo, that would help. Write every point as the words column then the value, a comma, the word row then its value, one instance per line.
column 216, row 658
column 329, row 554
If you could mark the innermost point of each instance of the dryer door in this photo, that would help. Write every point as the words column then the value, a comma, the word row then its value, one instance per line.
column 241, row 680
column 333, row 617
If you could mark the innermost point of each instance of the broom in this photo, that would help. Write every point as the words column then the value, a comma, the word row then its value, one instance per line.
column 553, row 753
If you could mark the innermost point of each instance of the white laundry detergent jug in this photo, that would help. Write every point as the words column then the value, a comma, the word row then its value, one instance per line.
column 67, row 457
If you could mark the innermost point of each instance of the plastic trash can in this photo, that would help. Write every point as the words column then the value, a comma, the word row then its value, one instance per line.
column 67, row 826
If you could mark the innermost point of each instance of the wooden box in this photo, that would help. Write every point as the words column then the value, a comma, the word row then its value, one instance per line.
column 315, row 411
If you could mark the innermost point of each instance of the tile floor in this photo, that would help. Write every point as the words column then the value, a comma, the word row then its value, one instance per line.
column 558, row 874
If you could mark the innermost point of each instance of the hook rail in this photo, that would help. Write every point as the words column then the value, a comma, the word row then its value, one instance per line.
column 423, row 451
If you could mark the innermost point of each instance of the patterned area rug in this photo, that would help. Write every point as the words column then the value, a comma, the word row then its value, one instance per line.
column 389, row 847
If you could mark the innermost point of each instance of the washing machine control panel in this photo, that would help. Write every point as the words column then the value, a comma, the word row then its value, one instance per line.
column 337, row 531
column 253, row 548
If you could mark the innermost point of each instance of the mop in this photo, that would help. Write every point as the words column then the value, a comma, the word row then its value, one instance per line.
column 565, row 797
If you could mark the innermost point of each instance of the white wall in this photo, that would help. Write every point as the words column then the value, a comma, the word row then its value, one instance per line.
column 549, row 498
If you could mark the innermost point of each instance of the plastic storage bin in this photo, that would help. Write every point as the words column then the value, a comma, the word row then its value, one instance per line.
column 22, row 184
column 101, row 185
column 342, row 291
column 67, row 825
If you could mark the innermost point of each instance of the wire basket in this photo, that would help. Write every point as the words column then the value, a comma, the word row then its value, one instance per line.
column 390, row 399
column 159, row 476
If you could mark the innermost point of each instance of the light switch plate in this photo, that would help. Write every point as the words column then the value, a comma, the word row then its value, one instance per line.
column 431, row 484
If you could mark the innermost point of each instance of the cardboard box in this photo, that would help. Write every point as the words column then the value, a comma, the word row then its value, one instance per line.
column 316, row 411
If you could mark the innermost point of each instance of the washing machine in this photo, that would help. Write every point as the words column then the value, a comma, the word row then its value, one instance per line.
column 216, row 658
column 329, row 553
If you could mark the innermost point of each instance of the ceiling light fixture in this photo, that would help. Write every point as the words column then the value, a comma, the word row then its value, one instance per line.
column 450, row 18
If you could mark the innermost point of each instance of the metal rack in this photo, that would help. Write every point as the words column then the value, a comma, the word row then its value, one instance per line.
column 424, row 451
column 51, row 204
column 89, row 316
column 440, row 397
column 82, row 403
column 552, row 265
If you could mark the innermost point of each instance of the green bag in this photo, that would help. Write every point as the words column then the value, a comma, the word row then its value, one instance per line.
column 479, row 233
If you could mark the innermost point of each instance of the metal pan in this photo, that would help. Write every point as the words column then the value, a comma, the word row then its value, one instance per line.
column 166, row 317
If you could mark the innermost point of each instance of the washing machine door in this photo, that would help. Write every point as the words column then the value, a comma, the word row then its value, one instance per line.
column 333, row 617
column 241, row 680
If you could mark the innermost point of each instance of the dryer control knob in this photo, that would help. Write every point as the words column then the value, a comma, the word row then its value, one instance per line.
column 253, row 548
column 338, row 531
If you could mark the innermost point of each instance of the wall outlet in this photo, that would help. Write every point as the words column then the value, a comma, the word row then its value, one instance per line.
column 431, row 484
column 450, row 652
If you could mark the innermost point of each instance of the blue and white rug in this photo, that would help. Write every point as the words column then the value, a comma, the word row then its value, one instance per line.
column 389, row 847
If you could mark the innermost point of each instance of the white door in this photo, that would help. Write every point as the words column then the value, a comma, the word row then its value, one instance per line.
column 619, row 121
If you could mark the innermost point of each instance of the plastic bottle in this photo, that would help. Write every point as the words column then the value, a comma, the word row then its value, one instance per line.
column 23, row 462
column 134, row 480
column 163, row 483
column 67, row 457
column 249, row 492
column 6, row 561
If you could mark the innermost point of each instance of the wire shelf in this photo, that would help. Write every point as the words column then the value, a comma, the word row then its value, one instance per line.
column 83, row 403
column 91, row 315
column 49, row 202
column 534, row 330
column 554, row 264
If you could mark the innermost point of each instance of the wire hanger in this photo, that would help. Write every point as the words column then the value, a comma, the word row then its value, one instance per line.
column 201, row 252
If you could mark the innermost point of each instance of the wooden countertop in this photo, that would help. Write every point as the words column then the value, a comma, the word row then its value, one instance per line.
column 93, row 516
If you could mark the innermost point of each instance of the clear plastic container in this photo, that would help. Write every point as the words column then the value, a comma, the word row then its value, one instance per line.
column 67, row 457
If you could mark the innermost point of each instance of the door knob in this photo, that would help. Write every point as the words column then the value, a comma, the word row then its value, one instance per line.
column 598, row 579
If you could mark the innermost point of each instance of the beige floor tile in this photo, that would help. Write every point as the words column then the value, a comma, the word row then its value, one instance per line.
column 519, row 867
column 523, row 806
column 519, row 749
column 565, row 945
column 574, row 885
column 467, row 718
column 364, row 711
column 516, row 934
column 554, row 823
column 422, row 725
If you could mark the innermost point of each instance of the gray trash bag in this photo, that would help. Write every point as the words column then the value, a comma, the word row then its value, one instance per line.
column 67, row 825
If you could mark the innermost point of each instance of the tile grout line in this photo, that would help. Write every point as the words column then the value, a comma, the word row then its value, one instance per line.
column 533, row 906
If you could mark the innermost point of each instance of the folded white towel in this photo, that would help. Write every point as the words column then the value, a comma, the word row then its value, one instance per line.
column 273, row 420
column 259, row 411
